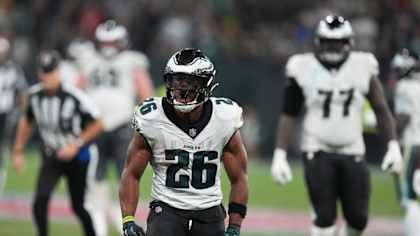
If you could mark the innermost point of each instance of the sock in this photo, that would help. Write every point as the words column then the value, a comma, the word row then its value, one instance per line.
column 349, row 231
column 412, row 218
column 96, row 203
column 325, row 231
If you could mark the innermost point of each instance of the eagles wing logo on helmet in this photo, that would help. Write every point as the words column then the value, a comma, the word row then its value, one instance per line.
column 189, row 78
column 334, row 27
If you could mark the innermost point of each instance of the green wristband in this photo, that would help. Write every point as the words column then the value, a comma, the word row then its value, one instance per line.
column 127, row 219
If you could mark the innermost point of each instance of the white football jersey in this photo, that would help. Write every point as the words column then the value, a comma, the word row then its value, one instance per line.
column 12, row 84
column 111, row 84
column 407, row 101
column 187, row 167
column 69, row 72
column 334, row 101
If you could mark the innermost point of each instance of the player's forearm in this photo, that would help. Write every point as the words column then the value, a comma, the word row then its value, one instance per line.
column 239, row 195
column 402, row 121
column 386, row 123
column 22, row 101
column 377, row 99
column 24, row 130
column 285, row 131
column 128, row 194
column 91, row 131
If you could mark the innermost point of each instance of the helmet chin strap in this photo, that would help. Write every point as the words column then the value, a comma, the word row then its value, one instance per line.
column 109, row 52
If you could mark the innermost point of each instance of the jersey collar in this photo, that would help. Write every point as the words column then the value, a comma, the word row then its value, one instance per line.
column 191, row 129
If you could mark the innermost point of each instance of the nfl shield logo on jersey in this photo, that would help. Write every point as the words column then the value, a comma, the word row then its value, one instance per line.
column 192, row 132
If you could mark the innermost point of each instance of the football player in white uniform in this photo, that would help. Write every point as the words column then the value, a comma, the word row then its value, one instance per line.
column 332, row 84
column 407, row 109
column 185, row 137
column 13, row 88
column 78, row 50
column 116, row 78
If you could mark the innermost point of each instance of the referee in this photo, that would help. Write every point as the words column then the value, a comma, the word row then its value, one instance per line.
column 68, row 122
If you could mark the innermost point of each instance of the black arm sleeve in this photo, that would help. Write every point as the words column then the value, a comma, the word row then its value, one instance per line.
column 293, row 98
column 29, row 113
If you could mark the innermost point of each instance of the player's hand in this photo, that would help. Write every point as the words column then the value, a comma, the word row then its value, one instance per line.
column 233, row 230
column 280, row 169
column 393, row 158
column 131, row 229
column 19, row 162
column 416, row 182
column 68, row 152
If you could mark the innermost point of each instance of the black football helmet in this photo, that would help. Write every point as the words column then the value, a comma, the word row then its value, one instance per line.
column 189, row 77
column 333, row 40
column 48, row 61
column 404, row 63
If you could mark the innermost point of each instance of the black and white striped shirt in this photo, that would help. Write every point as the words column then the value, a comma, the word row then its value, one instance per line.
column 60, row 117
column 12, row 84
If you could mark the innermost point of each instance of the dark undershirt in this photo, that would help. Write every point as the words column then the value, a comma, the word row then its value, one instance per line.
column 191, row 129
column 293, row 98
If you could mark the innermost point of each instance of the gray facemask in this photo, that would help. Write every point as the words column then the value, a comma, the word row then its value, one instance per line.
column 109, row 52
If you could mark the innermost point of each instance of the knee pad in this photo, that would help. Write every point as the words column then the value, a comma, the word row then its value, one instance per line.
column 324, row 231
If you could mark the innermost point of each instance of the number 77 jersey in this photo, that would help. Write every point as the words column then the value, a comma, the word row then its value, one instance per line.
column 187, row 157
column 333, row 100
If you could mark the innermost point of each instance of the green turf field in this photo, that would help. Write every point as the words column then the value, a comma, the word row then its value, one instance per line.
column 263, row 193
column 24, row 228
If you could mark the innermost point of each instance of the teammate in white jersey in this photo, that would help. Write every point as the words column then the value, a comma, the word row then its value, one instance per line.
column 331, row 84
column 116, row 78
column 12, row 95
column 185, row 137
column 407, row 109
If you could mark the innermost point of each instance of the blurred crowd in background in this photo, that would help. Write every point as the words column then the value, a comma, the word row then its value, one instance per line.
column 248, row 40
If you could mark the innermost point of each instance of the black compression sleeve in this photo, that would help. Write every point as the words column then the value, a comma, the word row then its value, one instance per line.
column 293, row 98
column 29, row 113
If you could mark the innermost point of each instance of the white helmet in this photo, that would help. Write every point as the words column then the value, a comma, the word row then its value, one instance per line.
column 333, row 40
column 111, row 37
column 189, row 78
column 79, row 46
column 404, row 63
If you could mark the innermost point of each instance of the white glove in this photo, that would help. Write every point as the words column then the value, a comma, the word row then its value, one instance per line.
column 393, row 159
column 416, row 182
column 280, row 169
